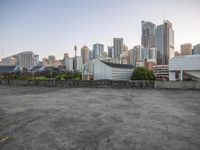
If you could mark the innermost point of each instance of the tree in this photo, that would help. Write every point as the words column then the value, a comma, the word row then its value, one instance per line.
column 141, row 73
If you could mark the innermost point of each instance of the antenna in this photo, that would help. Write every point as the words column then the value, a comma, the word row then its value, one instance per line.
column 75, row 49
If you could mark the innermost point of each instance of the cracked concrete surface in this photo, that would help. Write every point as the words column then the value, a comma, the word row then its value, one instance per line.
column 99, row 119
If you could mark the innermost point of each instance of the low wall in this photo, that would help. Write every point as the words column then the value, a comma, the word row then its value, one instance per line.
column 106, row 83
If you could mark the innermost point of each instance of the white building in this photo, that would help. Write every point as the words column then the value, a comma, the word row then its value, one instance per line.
column 111, row 71
column 68, row 62
column 26, row 59
column 9, row 61
column 188, row 65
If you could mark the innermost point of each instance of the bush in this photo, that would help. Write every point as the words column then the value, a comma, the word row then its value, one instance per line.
column 141, row 73
column 68, row 76
column 40, row 78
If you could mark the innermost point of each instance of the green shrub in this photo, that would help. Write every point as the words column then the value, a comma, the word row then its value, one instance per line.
column 40, row 78
column 141, row 73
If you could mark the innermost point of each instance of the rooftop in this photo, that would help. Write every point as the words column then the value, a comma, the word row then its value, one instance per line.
column 105, row 119
column 118, row 65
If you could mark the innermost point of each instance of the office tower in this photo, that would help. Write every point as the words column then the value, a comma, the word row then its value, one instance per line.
column 164, row 42
column 111, row 51
column 128, row 58
column 51, row 60
column 98, row 50
column 148, row 34
column 105, row 54
column 77, row 63
column 85, row 54
column 186, row 49
column 68, row 62
column 125, row 49
column 152, row 55
column 136, row 54
column 118, row 46
column 25, row 59
column 90, row 55
column 196, row 49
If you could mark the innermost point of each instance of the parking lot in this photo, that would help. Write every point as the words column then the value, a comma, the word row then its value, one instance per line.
column 49, row 118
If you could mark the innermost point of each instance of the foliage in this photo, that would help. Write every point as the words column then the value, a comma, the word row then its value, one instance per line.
column 43, row 76
column 40, row 78
column 77, row 76
column 68, row 76
column 17, row 76
column 141, row 73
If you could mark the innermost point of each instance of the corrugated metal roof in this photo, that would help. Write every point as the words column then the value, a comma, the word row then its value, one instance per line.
column 118, row 65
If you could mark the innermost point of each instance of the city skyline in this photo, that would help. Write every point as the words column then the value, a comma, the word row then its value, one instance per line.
column 53, row 28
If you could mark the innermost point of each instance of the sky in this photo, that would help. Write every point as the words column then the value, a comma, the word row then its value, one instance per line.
column 53, row 27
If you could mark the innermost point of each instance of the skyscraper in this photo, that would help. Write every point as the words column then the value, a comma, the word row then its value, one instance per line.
column 90, row 54
column 85, row 54
column 98, row 50
column 186, row 49
column 196, row 49
column 118, row 46
column 77, row 63
column 164, row 42
column 148, row 34
column 110, row 51
column 136, row 54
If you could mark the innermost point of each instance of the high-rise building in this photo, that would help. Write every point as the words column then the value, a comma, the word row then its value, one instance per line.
column 118, row 46
column 186, row 49
column 90, row 55
column 164, row 42
column 98, row 50
column 196, row 49
column 148, row 34
column 25, row 59
column 125, row 49
column 111, row 51
column 152, row 55
column 68, row 62
column 51, row 60
column 85, row 54
column 144, row 53
column 77, row 63
column 136, row 54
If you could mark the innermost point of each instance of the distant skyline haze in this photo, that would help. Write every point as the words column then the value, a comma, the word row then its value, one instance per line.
column 53, row 27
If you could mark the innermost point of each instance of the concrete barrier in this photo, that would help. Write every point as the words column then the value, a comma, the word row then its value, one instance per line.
column 106, row 83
